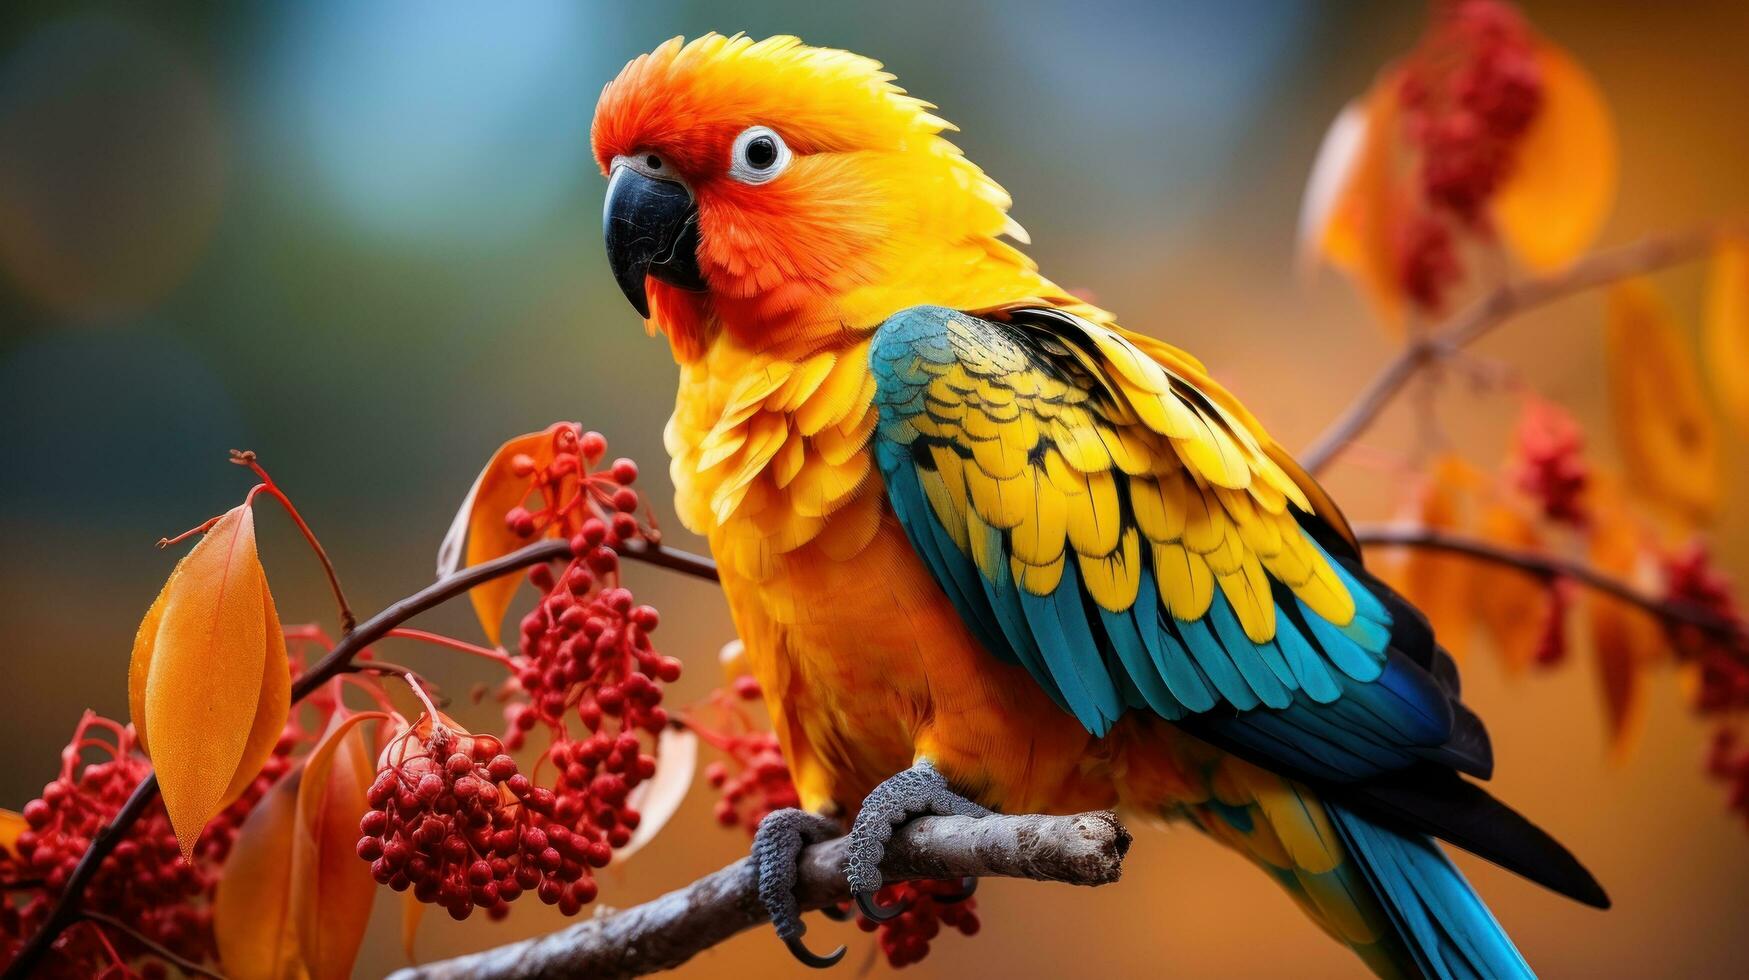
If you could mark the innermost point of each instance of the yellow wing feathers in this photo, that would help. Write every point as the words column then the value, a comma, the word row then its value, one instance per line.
column 1097, row 453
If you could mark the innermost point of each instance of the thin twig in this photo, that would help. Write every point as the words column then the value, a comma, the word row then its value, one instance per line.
column 1086, row 849
column 156, row 949
column 1552, row 567
column 673, row 559
column 67, row 910
column 246, row 457
column 1494, row 308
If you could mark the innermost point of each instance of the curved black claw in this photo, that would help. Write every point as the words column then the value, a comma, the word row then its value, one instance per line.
column 968, row 888
column 808, row 957
column 871, row 907
column 837, row 913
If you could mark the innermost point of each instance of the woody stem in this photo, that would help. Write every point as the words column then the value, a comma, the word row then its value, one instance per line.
column 1496, row 307
column 1669, row 611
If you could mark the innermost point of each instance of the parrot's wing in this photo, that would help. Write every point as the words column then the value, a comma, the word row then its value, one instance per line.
column 1111, row 520
column 1104, row 523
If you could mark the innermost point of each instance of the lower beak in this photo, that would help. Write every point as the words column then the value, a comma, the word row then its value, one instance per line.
column 651, row 227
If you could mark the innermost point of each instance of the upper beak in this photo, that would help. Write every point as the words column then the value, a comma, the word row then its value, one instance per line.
column 651, row 226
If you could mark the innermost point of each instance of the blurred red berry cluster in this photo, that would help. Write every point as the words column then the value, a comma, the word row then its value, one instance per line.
column 144, row 882
column 751, row 778
column 1722, row 690
column 1728, row 762
column 1549, row 464
column 1690, row 578
column 1551, row 644
column 753, row 781
column 1468, row 93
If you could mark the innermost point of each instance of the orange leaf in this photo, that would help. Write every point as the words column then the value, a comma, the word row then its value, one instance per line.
column 332, row 889
column 140, row 663
column 1562, row 183
column 11, row 825
column 1441, row 585
column 252, row 910
column 1512, row 606
column 1668, row 440
column 275, row 704
column 1354, row 196
column 657, row 798
column 1727, row 328
column 480, row 523
column 1625, row 639
column 199, row 682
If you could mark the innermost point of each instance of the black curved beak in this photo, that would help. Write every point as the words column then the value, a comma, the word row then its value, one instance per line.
column 651, row 226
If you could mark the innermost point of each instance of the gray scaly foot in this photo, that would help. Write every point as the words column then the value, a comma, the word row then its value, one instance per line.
column 776, row 845
column 917, row 791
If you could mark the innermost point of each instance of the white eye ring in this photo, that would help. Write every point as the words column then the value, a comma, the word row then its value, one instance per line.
column 759, row 155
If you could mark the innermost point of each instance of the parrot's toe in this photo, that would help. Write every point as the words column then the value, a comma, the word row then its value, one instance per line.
column 776, row 845
column 918, row 791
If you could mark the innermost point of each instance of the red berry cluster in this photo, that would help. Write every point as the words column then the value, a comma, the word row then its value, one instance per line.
column 1551, row 643
column 144, row 881
column 591, row 677
column 1427, row 259
column 454, row 819
column 1691, row 578
column 1549, row 462
column 1468, row 93
column 1728, row 762
column 752, row 778
column 929, row 905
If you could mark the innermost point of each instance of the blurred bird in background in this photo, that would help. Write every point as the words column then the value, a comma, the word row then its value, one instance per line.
column 989, row 549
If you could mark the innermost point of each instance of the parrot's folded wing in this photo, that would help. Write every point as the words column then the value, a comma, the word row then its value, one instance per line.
column 1103, row 514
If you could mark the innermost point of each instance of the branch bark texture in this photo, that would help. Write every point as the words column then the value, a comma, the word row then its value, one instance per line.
column 1085, row 849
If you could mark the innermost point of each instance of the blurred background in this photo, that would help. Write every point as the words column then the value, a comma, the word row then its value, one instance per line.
column 363, row 239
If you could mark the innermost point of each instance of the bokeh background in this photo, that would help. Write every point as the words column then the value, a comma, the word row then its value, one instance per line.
column 363, row 240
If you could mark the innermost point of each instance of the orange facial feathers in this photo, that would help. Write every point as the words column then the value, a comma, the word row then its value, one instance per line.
column 876, row 210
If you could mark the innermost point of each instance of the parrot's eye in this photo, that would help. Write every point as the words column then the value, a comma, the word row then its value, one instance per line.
column 759, row 155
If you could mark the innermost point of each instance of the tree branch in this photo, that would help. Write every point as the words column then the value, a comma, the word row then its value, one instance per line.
column 1552, row 567
column 1493, row 309
column 67, row 908
column 1087, row 849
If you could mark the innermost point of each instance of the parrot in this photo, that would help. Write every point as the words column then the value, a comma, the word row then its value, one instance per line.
column 987, row 550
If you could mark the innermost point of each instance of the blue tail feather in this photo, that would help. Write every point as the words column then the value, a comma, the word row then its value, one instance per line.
column 1439, row 917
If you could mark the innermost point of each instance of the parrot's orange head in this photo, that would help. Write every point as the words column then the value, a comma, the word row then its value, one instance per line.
column 770, row 186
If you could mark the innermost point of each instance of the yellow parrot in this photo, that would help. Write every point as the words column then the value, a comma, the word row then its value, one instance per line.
column 987, row 549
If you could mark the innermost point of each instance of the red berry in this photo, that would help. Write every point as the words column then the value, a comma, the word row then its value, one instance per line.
column 592, row 445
